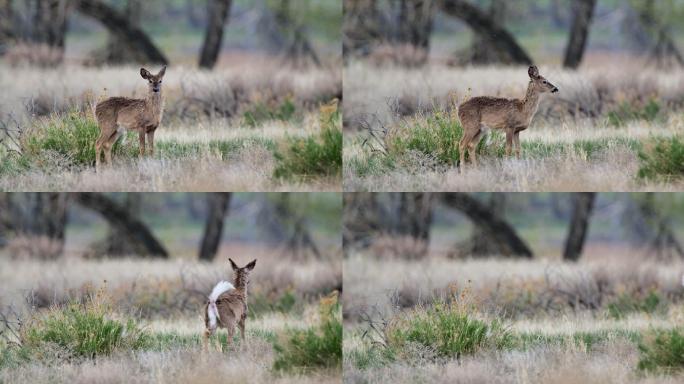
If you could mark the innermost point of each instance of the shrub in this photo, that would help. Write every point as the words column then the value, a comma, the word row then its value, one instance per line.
column 313, row 156
column 626, row 112
column 72, row 136
column 315, row 347
column 82, row 330
column 438, row 135
column 261, row 112
column 662, row 158
column 662, row 350
column 447, row 330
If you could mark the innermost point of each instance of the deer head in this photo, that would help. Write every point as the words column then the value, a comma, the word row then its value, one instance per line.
column 242, row 274
column 540, row 83
column 154, row 80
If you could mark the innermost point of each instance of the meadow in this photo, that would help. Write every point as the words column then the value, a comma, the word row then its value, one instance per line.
column 137, row 321
column 252, row 126
column 606, row 130
column 612, row 318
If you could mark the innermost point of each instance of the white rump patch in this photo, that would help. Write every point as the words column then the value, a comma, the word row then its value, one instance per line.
column 212, row 311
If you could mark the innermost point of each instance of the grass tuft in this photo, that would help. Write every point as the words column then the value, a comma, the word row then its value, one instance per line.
column 315, row 347
column 662, row 351
column 663, row 158
column 313, row 155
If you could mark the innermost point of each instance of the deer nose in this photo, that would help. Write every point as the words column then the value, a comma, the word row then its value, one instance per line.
column 554, row 90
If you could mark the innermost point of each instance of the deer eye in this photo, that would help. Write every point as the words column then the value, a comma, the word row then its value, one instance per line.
column 544, row 81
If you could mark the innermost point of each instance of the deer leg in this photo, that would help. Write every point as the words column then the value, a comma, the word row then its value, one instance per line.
column 516, row 142
column 141, row 138
column 509, row 142
column 241, row 324
column 205, row 339
column 231, row 333
column 98, row 154
column 108, row 152
column 150, row 139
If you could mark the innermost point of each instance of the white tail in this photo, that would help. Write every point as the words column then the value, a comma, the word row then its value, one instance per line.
column 212, row 311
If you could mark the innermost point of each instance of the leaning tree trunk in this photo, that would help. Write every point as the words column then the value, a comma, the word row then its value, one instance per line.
column 360, row 220
column 116, row 243
column 583, row 12
column 480, row 244
column 217, row 208
column 415, row 25
column 118, row 217
column 118, row 25
column 579, row 224
column 361, row 28
column 414, row 219
column 118, row 51
column 481, row 50
column 662, row 239
column 495, row 227
column 484, row 26
column 218, row 13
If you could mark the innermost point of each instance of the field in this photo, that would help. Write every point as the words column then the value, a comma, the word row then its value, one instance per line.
column 252, row 126
column 606, row 130
column 502, row 321
column 163, row 300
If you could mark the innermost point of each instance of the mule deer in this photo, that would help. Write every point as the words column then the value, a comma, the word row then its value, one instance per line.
column 227, row 304
column 479, row 114
column 116, row 115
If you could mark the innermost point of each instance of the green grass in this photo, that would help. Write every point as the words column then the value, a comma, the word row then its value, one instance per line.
column 626, row 304
column 626, row 112
column 315, row 155
column 662, row 351
column 261, row 112
column 82, row 331
column 662, row 158
column 260, row 303
column 447, row 330
column 319, row 346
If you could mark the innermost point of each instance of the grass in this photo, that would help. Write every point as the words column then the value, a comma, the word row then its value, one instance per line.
column 315, row 155
column 662, row 351
column 663, row 158
column 315, row 347
column 626, row 304
column 261, row 112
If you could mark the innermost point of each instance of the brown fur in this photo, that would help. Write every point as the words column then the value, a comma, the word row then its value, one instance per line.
column 231, row 305
column 510, row 115
column 118, row 114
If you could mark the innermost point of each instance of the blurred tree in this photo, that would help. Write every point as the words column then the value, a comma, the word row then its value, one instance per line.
column 415, row 24
column 657, row 19
column 662, row 240
column 135, row 230
column 298, row 49
column 118, row 24
column 118, row 51
column 218, row 12
column 482, row 51
column 7, row 27
column 485, row 27
column 360, row 220
column 583, row 11
column 116, row 242
column 414, row 219
column 480, row 243
column 217, row 209
column 583, row 203
column 299, row 242
column 492, row 225
column 361, row 28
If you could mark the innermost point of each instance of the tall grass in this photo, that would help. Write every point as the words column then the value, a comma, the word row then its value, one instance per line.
column 315, row 347
column 662, row 351
column 662, row 158
column 315, row 155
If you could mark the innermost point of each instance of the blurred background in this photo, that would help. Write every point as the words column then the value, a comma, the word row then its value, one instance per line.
column 552, row 226
column 97, row 32
column 462, row 32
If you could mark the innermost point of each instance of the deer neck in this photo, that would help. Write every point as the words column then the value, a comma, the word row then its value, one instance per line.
column 154, row 104
column 531, row 102
column 241, row 285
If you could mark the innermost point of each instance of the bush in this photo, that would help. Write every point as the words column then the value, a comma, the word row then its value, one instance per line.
column 662, row 350
column 313, row 156
column 626, row 112
column 447, row 330
column 662, row 158
column 261, row 112
column 82, row 330
column 315, row 347
column 71, row 136
column 626, row 304
column 437, row 136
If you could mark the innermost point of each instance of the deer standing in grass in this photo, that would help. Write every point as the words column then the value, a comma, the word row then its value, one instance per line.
column 482, row 113
column 117, row 115
column 227, row 304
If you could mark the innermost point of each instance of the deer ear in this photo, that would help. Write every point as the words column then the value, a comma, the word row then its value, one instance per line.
column 251, row 265
column 162, row 72
column 533, row 71
column 145, row 73
column 233, row 265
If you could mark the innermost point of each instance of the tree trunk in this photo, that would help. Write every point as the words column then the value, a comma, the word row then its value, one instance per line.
column 218, row 13
column 415, row 218
column 484, row 26
column 583, row 12
column 118, row 25
column 495, row 227
column 661, row 238
column 299, row 51
column 480, row 244
column 118, row 51
column 482, row 51
column 361, row 28
column 360, row 220
column 116, row 243
column 7, row 31
column 579, row 224
column 415, row 23
column 118, row 217
column 217, row 208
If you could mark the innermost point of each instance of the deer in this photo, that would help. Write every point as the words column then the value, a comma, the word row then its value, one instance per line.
column 227, row 304
column 117, row 115
column 479, row 114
